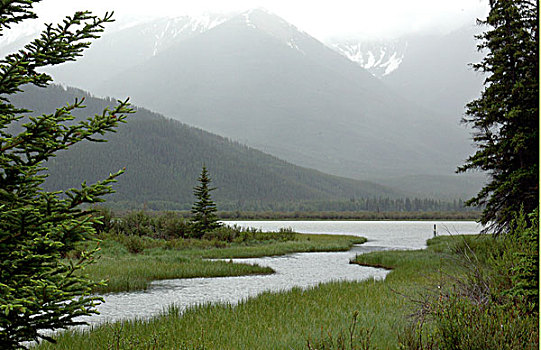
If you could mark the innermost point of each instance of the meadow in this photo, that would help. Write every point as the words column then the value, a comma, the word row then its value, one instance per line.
column 372, row 314
column 129, row 263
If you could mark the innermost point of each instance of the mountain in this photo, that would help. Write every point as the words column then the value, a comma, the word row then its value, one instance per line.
column 257, row 79
column 163, row 159
column 128, row 47
column 379, row 57
column 120, row 47
column 436, row 71
column 446, row 187
column 430, row 70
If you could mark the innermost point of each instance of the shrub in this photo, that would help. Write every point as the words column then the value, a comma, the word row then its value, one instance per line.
column 104, row 221
column 223, row 233
column 493, row 303
column 136, row 223
column 170, row 226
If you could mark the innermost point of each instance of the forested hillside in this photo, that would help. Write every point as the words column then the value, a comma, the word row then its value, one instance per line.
column 163, row 158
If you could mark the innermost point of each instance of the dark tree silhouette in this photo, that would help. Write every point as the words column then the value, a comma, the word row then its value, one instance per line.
column 506, row 116
column 204, row 209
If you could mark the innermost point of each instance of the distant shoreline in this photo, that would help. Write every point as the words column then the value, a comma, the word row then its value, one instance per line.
column 353, row 216
column 331, row 215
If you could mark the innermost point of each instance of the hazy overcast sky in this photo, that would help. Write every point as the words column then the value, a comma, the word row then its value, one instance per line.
column 322, row 19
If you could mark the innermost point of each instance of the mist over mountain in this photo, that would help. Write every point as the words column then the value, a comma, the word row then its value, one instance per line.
column 257, row 79
column 116, row 51
column 379, row 57
column 431, row 70
column 163, row 159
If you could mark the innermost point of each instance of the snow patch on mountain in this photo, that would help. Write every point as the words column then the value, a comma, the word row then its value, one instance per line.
column 204, row 22
column 292, row 44
column 380, row 58
column 248, row 20
column 392, row 63
column 167, row 31
column 277, row 27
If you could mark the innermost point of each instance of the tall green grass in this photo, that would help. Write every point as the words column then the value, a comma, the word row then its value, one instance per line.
column 270, row 321
column 129, row 273
column 186, row 258
column 301, row 243
column 286, row 320
column 298, row 318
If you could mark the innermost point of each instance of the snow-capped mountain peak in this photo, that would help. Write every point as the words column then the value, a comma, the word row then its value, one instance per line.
column 167, row 31
column 380, row 58
column 277, row 27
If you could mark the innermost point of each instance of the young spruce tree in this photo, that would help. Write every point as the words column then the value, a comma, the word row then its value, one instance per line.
column 506, row 116
column 41, row 289
column 204, row 209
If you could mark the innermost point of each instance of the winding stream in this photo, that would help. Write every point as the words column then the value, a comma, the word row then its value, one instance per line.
column 295, row 270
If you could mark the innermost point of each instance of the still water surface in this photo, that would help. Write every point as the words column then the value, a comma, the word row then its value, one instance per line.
column 296, row 270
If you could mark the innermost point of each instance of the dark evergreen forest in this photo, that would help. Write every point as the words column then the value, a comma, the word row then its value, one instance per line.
column 163, row 158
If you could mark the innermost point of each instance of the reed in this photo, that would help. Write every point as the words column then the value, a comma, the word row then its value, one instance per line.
column 285, row 320
column 187, row 258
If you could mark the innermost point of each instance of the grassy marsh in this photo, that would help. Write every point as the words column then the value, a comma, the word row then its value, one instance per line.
column 286, row 320
column 186, row 258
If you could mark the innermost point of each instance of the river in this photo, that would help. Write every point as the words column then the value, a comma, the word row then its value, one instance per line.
column 295, row 270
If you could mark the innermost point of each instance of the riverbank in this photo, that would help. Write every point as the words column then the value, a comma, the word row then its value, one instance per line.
column 130, row 263
column 377, row 310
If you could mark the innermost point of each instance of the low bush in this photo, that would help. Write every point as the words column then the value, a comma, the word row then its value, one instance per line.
column 171, row 226
column 492, row 302
column 133, row 243
column 237, row 234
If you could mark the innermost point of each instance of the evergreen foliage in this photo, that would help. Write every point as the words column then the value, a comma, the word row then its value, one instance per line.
column 204, row 209
column 521, row 262
column 163, row 156
column 40, row 290
column 506, row 116
column 495, row 304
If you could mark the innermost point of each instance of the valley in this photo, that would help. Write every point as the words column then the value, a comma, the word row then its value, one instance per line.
column 256, row 79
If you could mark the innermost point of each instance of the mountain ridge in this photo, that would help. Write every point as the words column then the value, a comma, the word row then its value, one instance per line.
column 163, row 158
column 245, row 83
column 432, row 70
column 296, row 98
column 379, row 57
